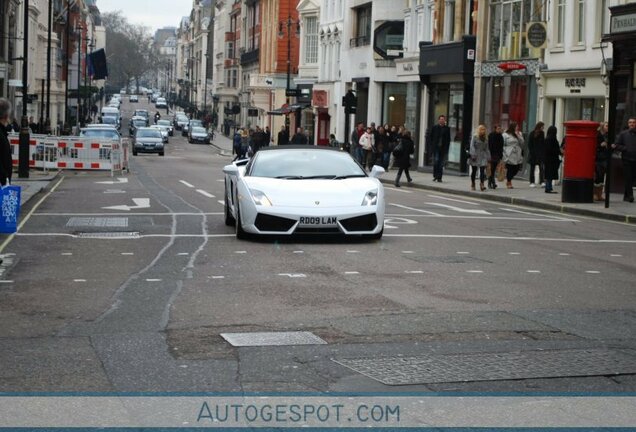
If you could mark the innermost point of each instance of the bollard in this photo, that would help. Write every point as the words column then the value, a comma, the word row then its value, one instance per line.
column 578, row 162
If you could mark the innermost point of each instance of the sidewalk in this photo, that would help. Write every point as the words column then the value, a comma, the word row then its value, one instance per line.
column 522, row 194
column 31, row 186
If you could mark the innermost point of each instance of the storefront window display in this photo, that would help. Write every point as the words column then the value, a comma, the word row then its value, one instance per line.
column 592, row 109
column 507, row 35
column 507, row 101
column 394, row 112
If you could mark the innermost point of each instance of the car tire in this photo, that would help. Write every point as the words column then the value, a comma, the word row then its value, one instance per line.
column 240, row 233
column 134, row 153
column 229, row 219
column 161, row 153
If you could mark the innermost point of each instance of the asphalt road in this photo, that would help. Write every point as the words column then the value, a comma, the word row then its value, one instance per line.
column 452, row 278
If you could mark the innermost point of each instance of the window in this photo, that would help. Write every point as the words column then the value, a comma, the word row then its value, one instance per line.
column 579, row 22
column 363, row 26
column 559, row 22
column 602, row 24
column 230, row 50
column 508, row 19
column 449, row 20
column 3, row 28
column 311, row 40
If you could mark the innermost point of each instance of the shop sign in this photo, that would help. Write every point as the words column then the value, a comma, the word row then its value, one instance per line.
column 511, row 66
column 536, row 34
column 407, row 67
column 623, row 23
column 320, row 99
column 575, row 82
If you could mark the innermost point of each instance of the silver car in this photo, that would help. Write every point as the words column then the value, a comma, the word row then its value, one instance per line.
column 148, row 140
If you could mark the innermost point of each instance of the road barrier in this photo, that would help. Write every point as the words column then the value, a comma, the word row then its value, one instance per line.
column 70, row 152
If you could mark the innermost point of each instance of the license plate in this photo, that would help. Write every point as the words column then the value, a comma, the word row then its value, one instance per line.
column 318, row 220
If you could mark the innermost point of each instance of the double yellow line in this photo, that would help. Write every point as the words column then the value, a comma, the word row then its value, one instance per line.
column 28, row 216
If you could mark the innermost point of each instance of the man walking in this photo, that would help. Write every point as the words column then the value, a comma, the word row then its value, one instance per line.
column 626, row 144
column 6, row 167
column 440, row 142
column 283, row 136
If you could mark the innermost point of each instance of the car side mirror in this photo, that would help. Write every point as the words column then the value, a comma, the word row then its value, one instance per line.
column 231, row 169
column 377, row 171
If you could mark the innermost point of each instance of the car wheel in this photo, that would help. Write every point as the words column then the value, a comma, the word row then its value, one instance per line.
column 160, row 153
column 240, row 233
column 134, row 153
column 229, row 219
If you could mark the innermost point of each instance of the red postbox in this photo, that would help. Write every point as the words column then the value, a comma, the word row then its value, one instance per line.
column 579, row 160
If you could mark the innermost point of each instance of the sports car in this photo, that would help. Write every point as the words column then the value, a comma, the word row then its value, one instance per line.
column 303, row 190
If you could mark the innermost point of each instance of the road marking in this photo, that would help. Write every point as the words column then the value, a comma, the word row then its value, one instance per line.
column 352, row 273
column 417, row 210
column 204, row 193
column 218, row 277
column 353, row 251
column 6, row 281
column 455, row 200
column 463, row 253
column 616, row 255
column 114, row 191
column 79, row 280
column 128, row 253
column 538, row 214
column 474, row 271
column 222, row 202
column 131, row 214
column 505, row 218
column 183, row 253
column 407, row 252
column 186, row 183
column 564, row 254
column 414, row 272
column 240, row 252
column 293, row 275
column 397, row 190
column 533, row 271
column 67, row 253
column 299, row 252
column 514, row 253
column 153, row 280
column 139, row 204
column 221, row 180
column 592, row 271
column 120, row 180
column 459, row 209
column 485, row 237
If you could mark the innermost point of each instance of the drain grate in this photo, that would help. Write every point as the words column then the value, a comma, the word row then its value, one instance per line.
column 272, row 339
column 445, row 368
column 109, row 235
column 98, row 222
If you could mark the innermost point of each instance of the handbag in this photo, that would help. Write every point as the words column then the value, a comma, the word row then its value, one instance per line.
column 501, row 171
column 398, row 150
column 10, row 205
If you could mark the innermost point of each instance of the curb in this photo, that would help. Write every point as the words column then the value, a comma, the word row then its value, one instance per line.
column 564, row 209
column 35, row 190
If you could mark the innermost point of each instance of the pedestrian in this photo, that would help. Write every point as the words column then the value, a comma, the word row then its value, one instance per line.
column 33, row 125
column 258, row 139
column 495, row 146
column 382, row 144
column 512, row 153
column 479, row 156
column 6, row 160
column 601, row 161
column 236, row 144
column 245, row 144
column 551, row 158
column 299, row 137
column 268, row 136
column 536, row 151
column 439, row 143
column 367, row 144
column 355, row 149
column 626, row 144
column 14, row 126
column 283, row 136
column 402, row 153
column 333, row 142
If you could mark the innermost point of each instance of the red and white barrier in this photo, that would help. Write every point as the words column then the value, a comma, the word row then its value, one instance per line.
column 69, row 152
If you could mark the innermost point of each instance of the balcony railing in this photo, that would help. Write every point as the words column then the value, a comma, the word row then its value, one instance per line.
column 249, row 57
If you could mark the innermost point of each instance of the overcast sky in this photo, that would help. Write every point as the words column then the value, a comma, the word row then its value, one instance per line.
column 151, row 13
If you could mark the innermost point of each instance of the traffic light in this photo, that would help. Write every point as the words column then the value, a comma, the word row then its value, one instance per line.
column 350, row 102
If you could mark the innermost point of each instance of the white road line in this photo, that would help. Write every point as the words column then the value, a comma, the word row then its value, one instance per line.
column 206, row 194
column 506, row 218
column 397, row 189
column 352, row 273
column 459, row 209
column 130, row 214
column 67, row 253
column 514, row 253
column 6, row 281
column 616, row 255
column 221, row 180
column 455, row 200
column 533, row 271
column 218, row 277
column 186, row 183
column 128, row 253
column 474, row 271
column 222, row 202
column 240, row 252
column 592, row 271
column 463, row 253
column 79, row 280
column 407, row 252
column 293, row 275
column 417, row 210
column 353, row 251
column 414, row 272
column 299, row 252
column 564, row 254
column 538, row 214
column 183, row 253
column 484, row 237
column 153, row 280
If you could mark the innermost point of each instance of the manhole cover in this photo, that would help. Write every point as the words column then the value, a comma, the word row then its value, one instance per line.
column 444, row 368
column 108, row 235
column 99, row 222
column 272, row 339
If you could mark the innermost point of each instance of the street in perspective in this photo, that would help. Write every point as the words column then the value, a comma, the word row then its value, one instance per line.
column 177, row 243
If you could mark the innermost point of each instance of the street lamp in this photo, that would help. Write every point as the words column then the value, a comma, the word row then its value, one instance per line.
column 288, row 23
column 79, row 29
column 23, row 148
column 205, row 86
column 47, row 124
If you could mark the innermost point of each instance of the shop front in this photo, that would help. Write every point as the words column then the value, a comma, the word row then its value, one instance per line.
column 447, row 71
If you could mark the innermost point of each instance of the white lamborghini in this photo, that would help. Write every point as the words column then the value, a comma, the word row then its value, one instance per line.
column 303, row 190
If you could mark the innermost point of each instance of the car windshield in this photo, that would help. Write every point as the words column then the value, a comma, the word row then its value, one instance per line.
column 194, row 123
column 164, row 123
column 109, row 120
column 148, row 133
column 298, row 164
column 100, row 133
column 182, row 118
column 141, row 113
column 198, row 130
column 139, row 122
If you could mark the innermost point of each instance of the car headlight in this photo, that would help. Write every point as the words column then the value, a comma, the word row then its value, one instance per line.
column 260, row 198
column 371, row 198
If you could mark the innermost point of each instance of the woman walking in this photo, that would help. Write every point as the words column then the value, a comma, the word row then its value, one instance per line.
column 479, row 155
column 512, row 154
column 551, row 157
column 402, row 153
column 602, row 155
column 536, row 150
column 495, row 145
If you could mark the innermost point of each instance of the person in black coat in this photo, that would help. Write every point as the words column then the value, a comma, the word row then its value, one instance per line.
column 626, row 144
column 283, row 136
column 6, row 160
column 299, row 137
column 495, row 145
column 405, row 148
column 600, row 165
column 439, row 144
column 551, row 158
column 536, row 150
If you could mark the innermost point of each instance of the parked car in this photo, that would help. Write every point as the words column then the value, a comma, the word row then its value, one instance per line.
column 161, row 103
column 303, row 190
column 198, row 134
column 192, row 123
column 167, row 124
column 134, row 98
column 180, row 122
column 147, row 140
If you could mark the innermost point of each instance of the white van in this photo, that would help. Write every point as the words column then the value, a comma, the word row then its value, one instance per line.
column 112, row 112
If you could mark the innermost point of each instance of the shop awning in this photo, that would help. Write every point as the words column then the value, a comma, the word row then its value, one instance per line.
column 287, row 109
